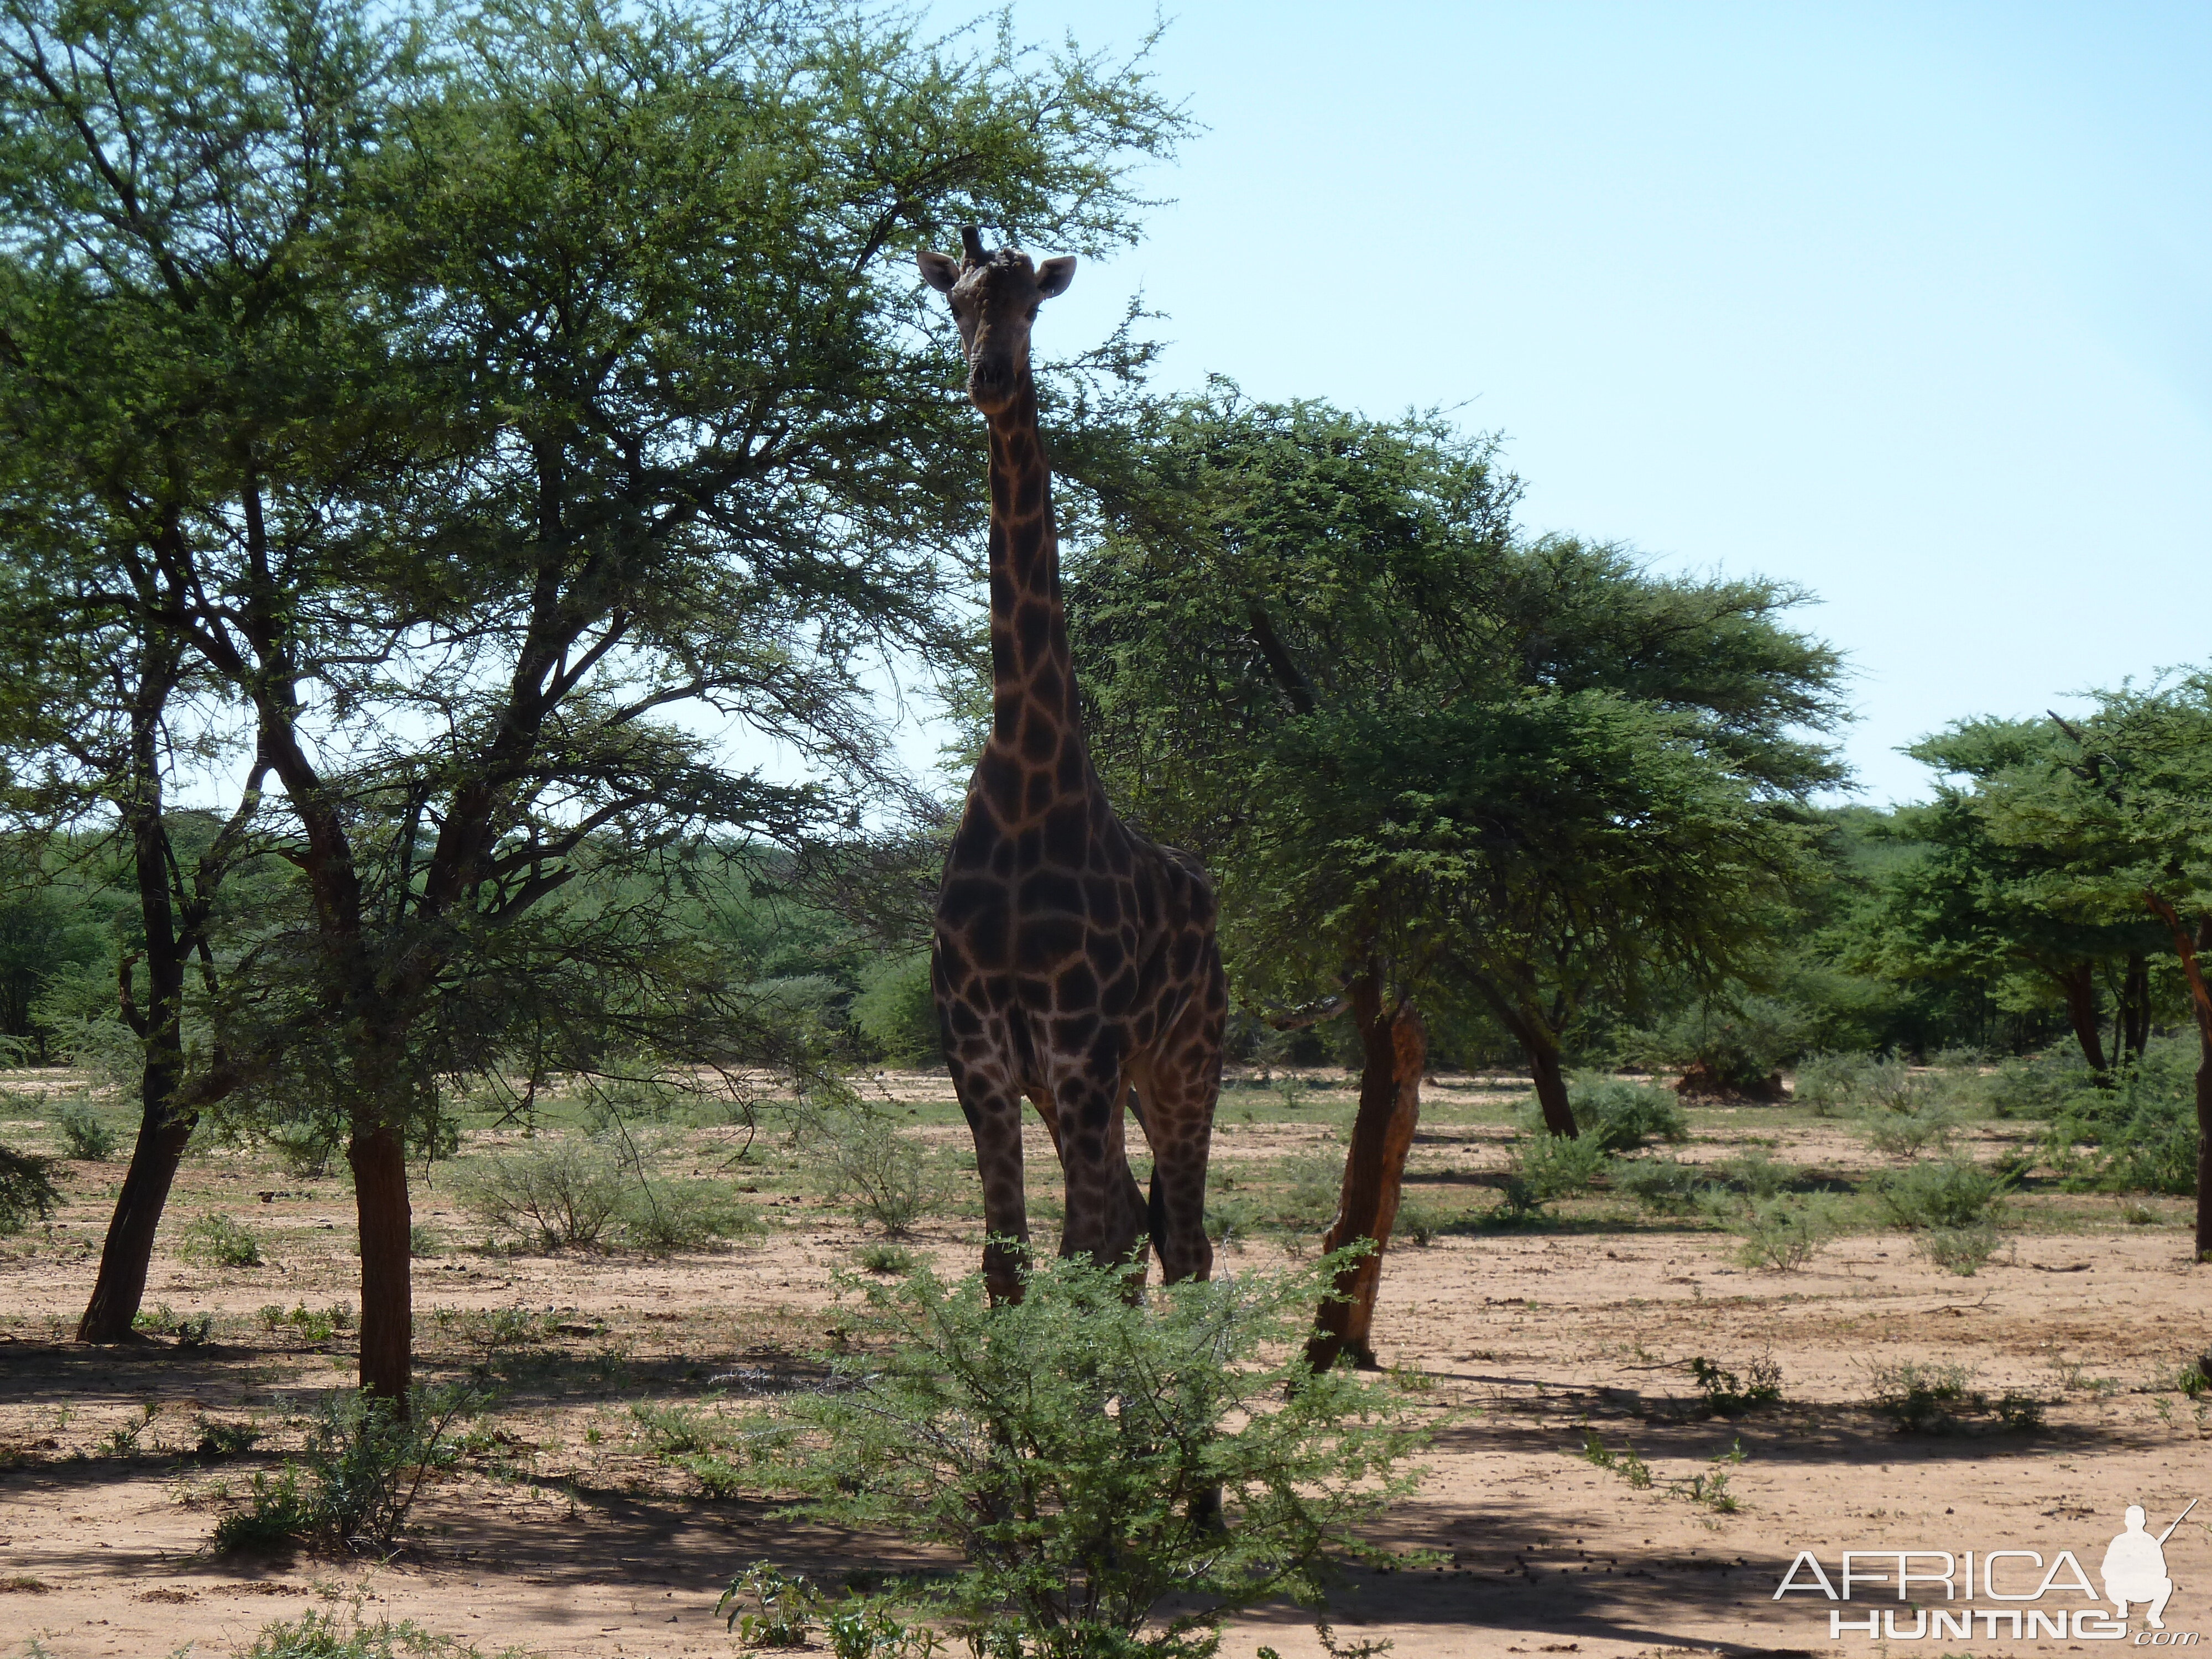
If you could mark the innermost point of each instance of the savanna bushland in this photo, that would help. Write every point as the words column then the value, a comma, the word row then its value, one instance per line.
column 476, row 1159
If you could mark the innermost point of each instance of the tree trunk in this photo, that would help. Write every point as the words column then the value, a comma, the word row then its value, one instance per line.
column 1393, row 1053
column 2078, row 985
column 387, row 1316
column 125, row 1259
column 2135, row 1005
column 2200, row 1002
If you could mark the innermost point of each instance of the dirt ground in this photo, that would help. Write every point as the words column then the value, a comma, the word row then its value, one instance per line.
column 564, row 1535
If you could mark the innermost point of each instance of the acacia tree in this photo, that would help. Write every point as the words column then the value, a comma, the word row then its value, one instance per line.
column 2034, row 916
column 1432, row 761
column 2125, row 801
column 621, row 405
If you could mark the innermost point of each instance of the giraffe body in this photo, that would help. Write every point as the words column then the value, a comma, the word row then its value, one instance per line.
column 1074, row 960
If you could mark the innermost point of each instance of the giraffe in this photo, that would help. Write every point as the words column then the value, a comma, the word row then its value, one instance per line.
column 1074, row 960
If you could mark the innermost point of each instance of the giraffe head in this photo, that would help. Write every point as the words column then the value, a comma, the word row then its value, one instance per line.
column 995, row 298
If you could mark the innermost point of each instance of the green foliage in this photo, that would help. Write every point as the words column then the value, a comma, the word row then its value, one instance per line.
column 212, row 1239
column 2138, row 1134
column 1664, row 1185
column 312, row 1324
column 319, row 1635
column 356, row 1479
column 27, row 1192
column 1067, row 1446
column 1943, row 1192
column 662, row 1217
column 897, row 1009
column 1728, row 1395
column 1544, row 1167
column 1708, row 1490
column 1832, row 1085
column 84, row 1133
column 1614, row 1116
column 886, row 1258
column 593, row 1193
column 1781, row 1233
column 1904, row 1113
column 1525, row 773
column 1936, row 1400
column 1736, row 1043
column 783, row 1607
column 867, row 1164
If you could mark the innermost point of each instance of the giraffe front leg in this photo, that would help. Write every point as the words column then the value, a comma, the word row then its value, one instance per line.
column 1105, row 1207
column 993, row 1111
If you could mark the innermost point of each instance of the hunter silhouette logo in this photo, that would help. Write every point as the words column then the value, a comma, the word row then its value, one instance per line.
column 2133, row 1571
column 2135, row 1567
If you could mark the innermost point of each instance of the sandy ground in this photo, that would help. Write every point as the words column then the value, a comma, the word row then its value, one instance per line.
column 562, row 1536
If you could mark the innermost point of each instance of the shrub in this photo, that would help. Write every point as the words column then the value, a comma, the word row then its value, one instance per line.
column 1544, row 1167
column 879, row 1174
column 661, row 1218
column 1830, row 1085
column 1780, row 1234
column 1420, row 1221
column 1738, row 1045
column 1618, row 1117
column 357, row 1475
column 212, row 1239
column 558, row 1191
column 1934, row 1399
column 2136, row 1133
column 318, row 1635
column 1961, row 1249
column 27, row 1192
column 84, row 1134
column 1312, row 1187
column 1663, row 1184
column 1082, row 1452
column 887, row 1258
column 1903, row 1111
column 1947, row 1194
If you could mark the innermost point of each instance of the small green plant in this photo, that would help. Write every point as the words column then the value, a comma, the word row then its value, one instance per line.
column 880, row 1174
column 124, row 1442
column 767, row 1609
column 1832, row 1085
column 313, row 1325
column 1710, row 1489
column 886, row 1258
column 1943, row 1192
column 662, row 1217
column 1663, row 1185
column 1936, row 1399
column 1625, row 1462
column 84, row 1134
column 1961, row 1250
column 1903, row 1112
column 1728, row 1395
column 356, row 1478
column 320, row 1635
column 221, row 1439
column 189, row 1330
column 1419, row 1221
column 1781, row 1234
column 1546, row 1167
column 212, row 1239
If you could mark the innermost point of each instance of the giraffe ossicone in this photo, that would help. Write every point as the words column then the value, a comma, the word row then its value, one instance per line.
column 1074, row 960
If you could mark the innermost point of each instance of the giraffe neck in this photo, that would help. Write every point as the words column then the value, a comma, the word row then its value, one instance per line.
column 1034, row 715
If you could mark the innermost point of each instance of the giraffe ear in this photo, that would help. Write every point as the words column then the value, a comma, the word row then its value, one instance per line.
column 939, row 270
column 1053, row 276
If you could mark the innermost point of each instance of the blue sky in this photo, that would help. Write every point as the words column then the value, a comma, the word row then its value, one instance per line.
column 1911, row 305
